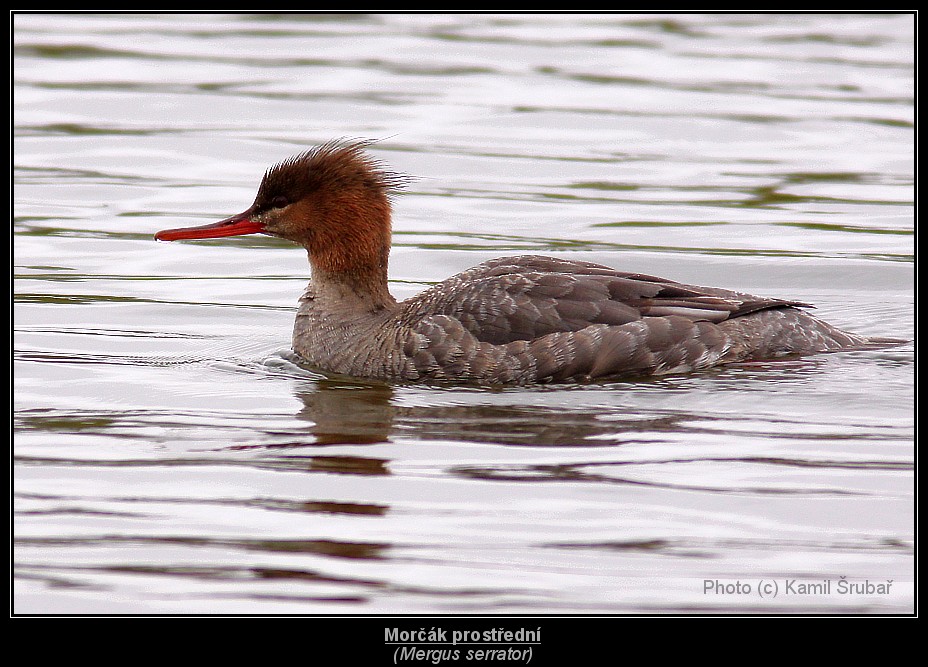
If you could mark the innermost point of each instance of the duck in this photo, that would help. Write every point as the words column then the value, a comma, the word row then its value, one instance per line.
column 522, row 320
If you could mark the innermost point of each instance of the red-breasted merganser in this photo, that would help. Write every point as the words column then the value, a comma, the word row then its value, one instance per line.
column 513, row 320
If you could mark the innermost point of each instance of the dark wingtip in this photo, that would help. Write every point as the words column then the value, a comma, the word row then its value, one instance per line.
column 880, row 342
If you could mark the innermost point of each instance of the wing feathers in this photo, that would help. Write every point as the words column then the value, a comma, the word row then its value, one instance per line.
column 524, row 298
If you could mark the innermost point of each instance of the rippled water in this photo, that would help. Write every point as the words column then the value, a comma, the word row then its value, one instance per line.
column 170, row 456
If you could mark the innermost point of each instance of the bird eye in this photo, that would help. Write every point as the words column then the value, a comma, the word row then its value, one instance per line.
column 279, row 201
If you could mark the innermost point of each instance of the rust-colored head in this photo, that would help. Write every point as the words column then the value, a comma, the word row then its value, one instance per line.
column 333, row 200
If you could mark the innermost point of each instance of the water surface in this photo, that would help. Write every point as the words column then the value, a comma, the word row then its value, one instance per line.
column 171, row 456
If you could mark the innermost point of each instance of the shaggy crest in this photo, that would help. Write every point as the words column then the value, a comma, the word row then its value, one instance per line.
column 338, row 165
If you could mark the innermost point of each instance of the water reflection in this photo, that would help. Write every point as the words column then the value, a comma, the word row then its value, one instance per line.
column 358, row 413
column 354, row 412
column 348, row 413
